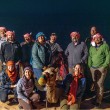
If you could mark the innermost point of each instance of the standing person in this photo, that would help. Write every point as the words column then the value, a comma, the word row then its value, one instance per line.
column 2, row 32
column 41, row 54
column 11, row 49
column 89, row 40
column 26, row 49
column 74, row 86
column 76, row 51
column 26, row 91
column 8, row 81
column 55, row 47
column 98, row 62
column 2, row 39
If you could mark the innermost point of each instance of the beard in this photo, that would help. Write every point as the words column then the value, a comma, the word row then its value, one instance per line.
column 10, row 39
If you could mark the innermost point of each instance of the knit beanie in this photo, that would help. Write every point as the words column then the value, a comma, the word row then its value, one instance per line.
column 28, row 68
column 40, row 34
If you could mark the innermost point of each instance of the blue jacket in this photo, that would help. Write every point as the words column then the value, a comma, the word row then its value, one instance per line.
column 41, row 55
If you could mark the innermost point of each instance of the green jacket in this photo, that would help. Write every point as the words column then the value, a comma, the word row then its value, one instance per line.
column 100, row 56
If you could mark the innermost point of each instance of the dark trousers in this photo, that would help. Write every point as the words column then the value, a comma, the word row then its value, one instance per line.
column 33, row 105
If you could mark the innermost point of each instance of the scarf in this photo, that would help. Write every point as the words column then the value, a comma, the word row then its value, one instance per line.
column 12, row 75
column 73, row 89
column 28, row 85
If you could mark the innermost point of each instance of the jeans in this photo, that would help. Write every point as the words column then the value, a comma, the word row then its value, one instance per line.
column 37, row 72
column 4, row 94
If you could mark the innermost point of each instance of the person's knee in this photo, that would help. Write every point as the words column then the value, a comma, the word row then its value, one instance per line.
column 3, row 100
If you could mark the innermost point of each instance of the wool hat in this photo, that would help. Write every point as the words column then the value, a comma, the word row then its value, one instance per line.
column 10, row 33
column 76, row 34
column 28, row 68
column 40, row 34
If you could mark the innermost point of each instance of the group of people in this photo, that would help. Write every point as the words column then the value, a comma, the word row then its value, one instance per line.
column 80, row 60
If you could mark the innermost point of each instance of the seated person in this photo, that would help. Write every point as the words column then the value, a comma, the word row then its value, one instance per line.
column 8, row 81
column 26, row 91
column 74, row 87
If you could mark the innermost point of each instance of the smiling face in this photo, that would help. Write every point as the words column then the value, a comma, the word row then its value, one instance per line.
column 28, row 74
column 10, row 37
column 27, row 39
column 53, row 38
column 93, row 31
column 75, row 39
column 41, row 39
column 97, row 40
column 10, row 67
column 2, row 33
column 77, row 69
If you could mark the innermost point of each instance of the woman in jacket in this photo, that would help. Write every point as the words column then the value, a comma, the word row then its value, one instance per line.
column 74, row 87
column 41, row 54
column 26, row 90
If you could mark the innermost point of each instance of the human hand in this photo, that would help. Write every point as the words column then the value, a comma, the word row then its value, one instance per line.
column 13, row 86
column 102, row 69
column 28, row 101
column 4, row 63
column 69, row 103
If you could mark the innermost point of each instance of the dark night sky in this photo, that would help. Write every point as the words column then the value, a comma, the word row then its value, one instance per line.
column 60, row 16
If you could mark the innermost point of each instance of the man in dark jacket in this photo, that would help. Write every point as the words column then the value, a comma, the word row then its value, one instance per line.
column 26, row 49
column 76, row 51
column 11, row 49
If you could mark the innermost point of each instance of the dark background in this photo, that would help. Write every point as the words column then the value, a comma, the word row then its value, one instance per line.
column 60, row 16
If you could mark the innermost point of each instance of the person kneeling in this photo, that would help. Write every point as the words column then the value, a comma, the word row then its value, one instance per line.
column 8, row 81
column 74, row 87
column 27, row 96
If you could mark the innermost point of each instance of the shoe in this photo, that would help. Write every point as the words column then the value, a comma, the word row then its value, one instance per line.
column 98, row 106
column 13, row 102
